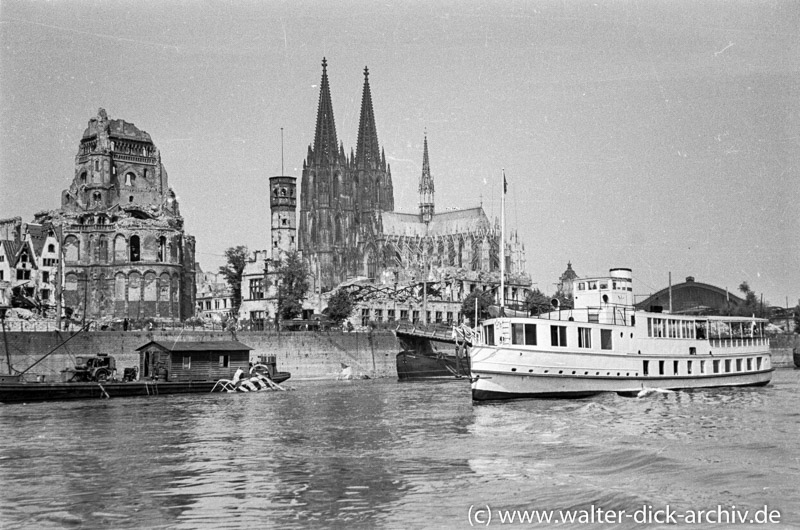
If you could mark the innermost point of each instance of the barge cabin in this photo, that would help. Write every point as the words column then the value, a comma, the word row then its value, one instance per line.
column 193, row 361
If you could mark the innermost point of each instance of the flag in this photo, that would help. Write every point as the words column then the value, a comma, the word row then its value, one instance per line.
column 505, row 184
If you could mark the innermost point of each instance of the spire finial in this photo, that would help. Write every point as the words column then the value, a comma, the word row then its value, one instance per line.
column 366, row 73
column 324, row 64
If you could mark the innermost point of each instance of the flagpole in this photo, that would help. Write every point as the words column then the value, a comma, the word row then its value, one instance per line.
column 503, row 246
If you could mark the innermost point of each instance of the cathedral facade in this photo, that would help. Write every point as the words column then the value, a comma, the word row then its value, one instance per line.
column 123, row 250
column 348, row 226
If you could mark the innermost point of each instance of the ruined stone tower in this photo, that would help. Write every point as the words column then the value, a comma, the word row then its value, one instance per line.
column 283, row 205
column 124, row 251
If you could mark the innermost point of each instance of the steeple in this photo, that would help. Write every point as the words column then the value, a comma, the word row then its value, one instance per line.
column 325, row 144
column 426, row 186
column 368, row 154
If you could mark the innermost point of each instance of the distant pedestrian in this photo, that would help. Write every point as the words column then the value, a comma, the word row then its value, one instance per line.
column 125, row 325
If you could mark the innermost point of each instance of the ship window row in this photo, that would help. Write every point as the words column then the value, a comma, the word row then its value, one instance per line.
column 526, row 334
column 676, row 329
column 718, row 329
column 701, row 329
column 716, row 366
column 616, row 285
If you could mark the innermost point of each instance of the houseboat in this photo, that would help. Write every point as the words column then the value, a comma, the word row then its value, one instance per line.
column 604, row 345
column 164, row 368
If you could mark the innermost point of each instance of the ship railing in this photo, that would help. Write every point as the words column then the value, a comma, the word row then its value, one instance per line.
column 739, row 342
column 434, row 331
column 615, row 315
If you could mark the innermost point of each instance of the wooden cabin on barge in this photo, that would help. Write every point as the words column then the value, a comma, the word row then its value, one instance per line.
column 193, row 361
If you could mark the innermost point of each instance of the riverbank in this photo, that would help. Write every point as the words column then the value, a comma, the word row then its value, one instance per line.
column 306, row 354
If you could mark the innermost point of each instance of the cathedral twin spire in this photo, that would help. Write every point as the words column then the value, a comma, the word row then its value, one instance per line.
column 325, row 145
column 326, row 148
column 368, row 153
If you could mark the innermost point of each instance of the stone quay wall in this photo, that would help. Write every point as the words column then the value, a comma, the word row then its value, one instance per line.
column 782, row 346
column 306, row 354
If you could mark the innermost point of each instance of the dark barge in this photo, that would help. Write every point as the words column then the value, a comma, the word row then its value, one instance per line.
column 165, row 368
column 431, row 352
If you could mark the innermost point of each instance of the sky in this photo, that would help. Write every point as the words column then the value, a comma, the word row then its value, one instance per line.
column 662, row 136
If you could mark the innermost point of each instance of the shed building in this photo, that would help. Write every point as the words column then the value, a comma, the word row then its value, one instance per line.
column 193, row 361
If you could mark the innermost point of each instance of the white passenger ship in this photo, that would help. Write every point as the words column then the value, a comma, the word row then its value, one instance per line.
column 603, row 345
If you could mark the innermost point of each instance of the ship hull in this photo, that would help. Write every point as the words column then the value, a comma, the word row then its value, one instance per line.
column 510, row 373
column 489, row 386
column 428, row 355
column 411, row 365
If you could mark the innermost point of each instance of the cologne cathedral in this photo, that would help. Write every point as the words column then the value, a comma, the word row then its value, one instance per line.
column 349, row 227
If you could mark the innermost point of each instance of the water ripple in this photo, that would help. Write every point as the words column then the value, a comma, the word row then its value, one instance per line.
column 389, row 454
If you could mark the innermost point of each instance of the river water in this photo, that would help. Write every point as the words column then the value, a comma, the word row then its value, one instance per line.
column 388, row 454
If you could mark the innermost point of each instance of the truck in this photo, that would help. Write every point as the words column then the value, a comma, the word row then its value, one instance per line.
column 100, row 368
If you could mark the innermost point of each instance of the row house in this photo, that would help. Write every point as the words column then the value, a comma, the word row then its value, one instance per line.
column 29, row 266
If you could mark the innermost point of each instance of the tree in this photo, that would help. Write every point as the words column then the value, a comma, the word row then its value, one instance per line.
column 292, row 286
column 485, row 299
column 750, row 298
column 340, row 306
column 751, row 305
column 236, row 257
column 537, row 302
